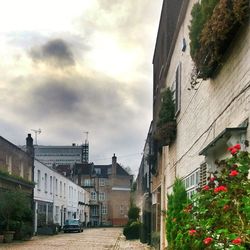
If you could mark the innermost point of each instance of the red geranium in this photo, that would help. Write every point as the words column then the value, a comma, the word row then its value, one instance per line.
column 237, row 241
column 206, row 187
column 226, row 207
column 220, row 189
column 208, row 240
column 237, row 146
column 234, row 173
column 192, row 232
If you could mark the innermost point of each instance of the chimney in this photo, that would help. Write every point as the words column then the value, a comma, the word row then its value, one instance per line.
column 29, row 145
column 114, row 162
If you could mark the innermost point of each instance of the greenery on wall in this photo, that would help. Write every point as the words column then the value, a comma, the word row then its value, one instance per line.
column 166, row 125
column 218, row 216
column 214, row 24
column 15, row 177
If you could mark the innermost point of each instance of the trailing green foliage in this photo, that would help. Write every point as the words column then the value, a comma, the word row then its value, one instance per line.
column 218, row 217
column 167, row 111
column 15, row 177
column 133, row 213
column 166, row 126
column 176, row 203
column 214, row 24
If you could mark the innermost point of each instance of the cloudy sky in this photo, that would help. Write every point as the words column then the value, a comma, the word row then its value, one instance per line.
column 70, row 66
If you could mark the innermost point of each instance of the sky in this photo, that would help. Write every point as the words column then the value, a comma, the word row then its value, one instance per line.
column 71, row 66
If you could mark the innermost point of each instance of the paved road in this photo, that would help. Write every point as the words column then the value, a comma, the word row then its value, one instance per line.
column 91, row 239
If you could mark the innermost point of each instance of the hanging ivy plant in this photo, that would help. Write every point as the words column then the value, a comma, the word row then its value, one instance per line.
column 214, row 23
column 166, row 126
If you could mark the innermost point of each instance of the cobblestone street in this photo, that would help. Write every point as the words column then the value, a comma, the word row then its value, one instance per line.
column 91, row 239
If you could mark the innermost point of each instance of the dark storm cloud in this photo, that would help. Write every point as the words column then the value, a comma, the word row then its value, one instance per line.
column 56, row 52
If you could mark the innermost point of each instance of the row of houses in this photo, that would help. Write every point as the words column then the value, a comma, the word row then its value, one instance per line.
column 97, row 195
column 53, row 197
column 211, row 112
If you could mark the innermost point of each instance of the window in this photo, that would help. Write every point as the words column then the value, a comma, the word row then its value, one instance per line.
column 87, row 183
column 56, row 187
column 191, row 182
column 102, row 196
column 102, row 182
column 21, row 169
column 176, row 89
column 94, row 211
column 45, row 183
column 93, row 195
column 50, row 184
column 122, row 208
column 38, row 179
column 98, row 171
column 104, row 209
column 60, row 189
column 64, row 190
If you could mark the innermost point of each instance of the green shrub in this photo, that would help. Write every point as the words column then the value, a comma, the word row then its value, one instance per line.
column 132, row 230
column 176, row 203
column 133, row 213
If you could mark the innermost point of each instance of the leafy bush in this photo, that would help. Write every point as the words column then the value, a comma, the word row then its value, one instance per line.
column 132, row 230
column 133, row 213
column 176, row 203
column 15, row 207
column 219, row 215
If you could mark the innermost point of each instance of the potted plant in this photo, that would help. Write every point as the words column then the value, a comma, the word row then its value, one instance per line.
column 14, row 206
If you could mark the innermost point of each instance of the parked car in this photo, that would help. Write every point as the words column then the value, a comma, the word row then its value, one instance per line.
column 72, row 226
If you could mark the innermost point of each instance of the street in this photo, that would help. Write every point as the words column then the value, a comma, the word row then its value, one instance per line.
column 91, row 239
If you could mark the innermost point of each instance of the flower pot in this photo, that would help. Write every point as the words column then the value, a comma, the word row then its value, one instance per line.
column 8, row 236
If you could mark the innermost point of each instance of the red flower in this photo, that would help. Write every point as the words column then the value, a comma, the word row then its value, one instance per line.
column 212, row 179
column 208, row 240
column 237, row 241
column 234, row 151
column 226, row 207
column 206, row 187
column 192, row 232
column 234, row 173
column 220, row 189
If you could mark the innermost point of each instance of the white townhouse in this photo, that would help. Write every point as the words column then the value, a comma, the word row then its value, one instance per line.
column 57, row 198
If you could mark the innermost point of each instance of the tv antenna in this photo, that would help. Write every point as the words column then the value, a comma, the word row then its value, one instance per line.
column 37, row 132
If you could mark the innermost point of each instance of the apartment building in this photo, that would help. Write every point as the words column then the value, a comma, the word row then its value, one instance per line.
column 62, row 155
column 109, row 187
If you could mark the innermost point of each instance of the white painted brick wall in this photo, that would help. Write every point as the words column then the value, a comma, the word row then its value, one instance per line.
column 200, row 108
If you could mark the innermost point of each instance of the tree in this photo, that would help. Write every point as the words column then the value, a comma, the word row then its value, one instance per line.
column 14, row 206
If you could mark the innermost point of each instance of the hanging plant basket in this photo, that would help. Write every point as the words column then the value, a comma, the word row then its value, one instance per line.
column 166, row 133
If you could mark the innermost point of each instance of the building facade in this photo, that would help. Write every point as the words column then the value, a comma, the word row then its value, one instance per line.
column 109, row 187
column 57, row 198
column 62, row 155
column 210, row 117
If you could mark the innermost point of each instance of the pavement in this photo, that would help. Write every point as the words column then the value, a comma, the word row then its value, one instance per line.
column 91, row 239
